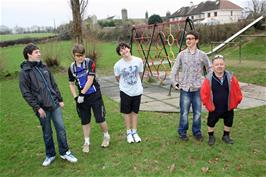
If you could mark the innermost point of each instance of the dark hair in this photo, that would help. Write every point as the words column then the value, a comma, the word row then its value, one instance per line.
column 194, row 33
column 78, row 48
column 29, row 49
column 121, row 46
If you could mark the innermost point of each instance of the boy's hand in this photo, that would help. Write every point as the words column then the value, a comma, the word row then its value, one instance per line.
column 42, row 113
column 61, row 104
column 80, row 98
column 176, row 86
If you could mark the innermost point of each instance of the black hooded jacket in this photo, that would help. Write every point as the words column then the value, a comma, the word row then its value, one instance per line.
column 38, row 86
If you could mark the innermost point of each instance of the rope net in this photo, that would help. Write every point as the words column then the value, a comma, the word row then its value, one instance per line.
column 158, row 45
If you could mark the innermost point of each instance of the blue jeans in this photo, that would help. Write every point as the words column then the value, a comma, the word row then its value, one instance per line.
column 56, row 117
column 186, row 99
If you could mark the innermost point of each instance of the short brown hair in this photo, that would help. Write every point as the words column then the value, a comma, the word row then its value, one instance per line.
column 121, row 46
column 78, row 48
column 29, row 49
column 194, row 33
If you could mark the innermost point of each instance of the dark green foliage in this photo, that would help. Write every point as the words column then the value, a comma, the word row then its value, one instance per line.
column 155, row 19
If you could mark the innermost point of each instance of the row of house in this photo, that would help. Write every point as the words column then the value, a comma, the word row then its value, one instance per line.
column 210, row 12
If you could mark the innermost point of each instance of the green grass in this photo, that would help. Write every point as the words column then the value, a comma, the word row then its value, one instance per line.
column 7, row 37
column 22, row 148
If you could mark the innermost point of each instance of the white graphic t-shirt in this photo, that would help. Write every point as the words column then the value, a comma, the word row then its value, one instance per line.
column 130, row 82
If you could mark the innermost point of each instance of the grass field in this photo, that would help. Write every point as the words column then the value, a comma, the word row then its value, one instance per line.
column 160, row 154
column 7, row 37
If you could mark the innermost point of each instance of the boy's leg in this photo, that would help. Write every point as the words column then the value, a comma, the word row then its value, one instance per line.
column 106, row 136
column 228, row 122
column 185, row 102
column 213, row 118
column 134, row 120
column 127, row 119
column 86, row 133
column 196, row 107
column 60, row 131
column 99, row 114
column 135, row 104
column 135, row 135
column 84, row 112
column 47, row 134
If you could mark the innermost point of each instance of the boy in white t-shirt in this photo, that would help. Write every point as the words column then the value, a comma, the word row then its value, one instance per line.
column 127, row 72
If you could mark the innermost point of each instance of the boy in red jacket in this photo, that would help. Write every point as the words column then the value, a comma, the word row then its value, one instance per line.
column 220, row 94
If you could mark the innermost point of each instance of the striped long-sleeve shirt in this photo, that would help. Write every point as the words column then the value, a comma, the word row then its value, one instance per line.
column 191, row 68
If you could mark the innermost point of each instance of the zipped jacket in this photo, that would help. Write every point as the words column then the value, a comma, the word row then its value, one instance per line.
column 234, row 97
column 38, row 86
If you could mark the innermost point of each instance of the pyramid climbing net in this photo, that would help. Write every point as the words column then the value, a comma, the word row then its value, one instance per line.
column 157, row 45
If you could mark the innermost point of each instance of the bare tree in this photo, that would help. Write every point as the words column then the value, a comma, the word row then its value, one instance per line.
column 259, row 7
column 78, row 8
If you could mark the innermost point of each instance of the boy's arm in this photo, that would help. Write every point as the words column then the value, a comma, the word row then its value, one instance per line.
column 116, row 72
column 71, row 79
column 117, row 78
column 208, row 64
column 175, row 71
column 24, row 85
column 72, row 89
column 88, row 84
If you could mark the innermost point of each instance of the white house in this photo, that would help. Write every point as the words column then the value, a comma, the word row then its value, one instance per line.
column 210, row 12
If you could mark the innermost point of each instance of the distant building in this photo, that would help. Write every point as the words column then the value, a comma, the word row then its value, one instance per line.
column 124, row 14
column 210, row 12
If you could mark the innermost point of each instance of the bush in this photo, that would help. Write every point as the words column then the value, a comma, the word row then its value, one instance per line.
column 51, row 62
column 155, row 19
column 218, row 32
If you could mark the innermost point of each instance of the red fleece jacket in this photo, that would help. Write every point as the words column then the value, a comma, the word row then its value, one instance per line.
column 235, row 95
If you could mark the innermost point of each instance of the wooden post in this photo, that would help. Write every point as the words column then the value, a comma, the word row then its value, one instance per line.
column 240, row 56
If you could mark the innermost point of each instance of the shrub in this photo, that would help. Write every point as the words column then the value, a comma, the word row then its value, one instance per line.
column 155, row 19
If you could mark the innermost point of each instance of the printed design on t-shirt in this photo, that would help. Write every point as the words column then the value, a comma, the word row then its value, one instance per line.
column 81, row 76
column 130, row 74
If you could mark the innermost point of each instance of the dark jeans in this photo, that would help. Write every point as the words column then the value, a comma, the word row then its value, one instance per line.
column 56, row 117
column 186, row 100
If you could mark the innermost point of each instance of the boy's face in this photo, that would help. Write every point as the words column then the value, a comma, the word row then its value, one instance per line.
column 79, row 58
column 125, row 52
column 35, row 55
column 218, row 66
column 191, row 41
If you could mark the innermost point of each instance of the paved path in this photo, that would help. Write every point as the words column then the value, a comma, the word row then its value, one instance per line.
column 156, row 98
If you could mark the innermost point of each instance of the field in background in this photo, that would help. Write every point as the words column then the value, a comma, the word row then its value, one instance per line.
column 252, row 68
column 8, row 37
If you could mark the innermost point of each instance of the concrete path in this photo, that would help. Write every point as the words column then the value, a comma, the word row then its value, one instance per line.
column 156, row 98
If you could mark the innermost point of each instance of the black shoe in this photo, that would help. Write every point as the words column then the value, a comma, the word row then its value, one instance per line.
column 183, row 137
column 199, row 137
column 227, row 139
column 211, row 140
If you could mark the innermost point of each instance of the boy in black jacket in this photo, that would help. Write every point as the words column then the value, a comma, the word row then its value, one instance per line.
column 40, row 91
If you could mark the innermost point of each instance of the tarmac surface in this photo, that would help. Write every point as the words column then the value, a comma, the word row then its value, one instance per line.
column 156, row 98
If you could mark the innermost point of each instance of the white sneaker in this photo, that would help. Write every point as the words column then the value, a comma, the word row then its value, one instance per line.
column 48, row 161
column 136, row 137
column 86, row 148
column 130, row 138
column 69, row 157
column 106, row 141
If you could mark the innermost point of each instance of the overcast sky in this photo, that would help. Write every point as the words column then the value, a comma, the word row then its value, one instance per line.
column 26, row 13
